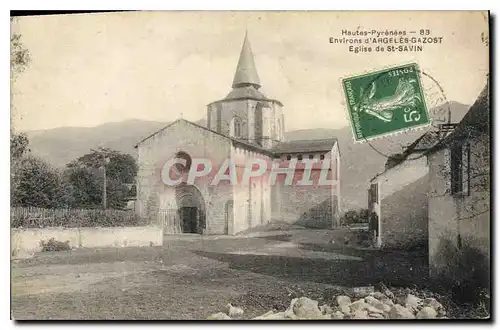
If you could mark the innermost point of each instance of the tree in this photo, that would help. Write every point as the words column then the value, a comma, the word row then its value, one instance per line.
column 18, row 149
column 19, row 60
column 121, row 167
column 19, row 55
column 18, row 145
column 86, row 175
column 39, row 184
column 86, row 187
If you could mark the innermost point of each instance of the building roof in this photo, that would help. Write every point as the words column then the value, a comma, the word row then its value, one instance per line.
column 246, row 92
column 246, row 82
column 475, row 121
column 283, row 147
column 246, row 72
column 304, row 146
column 424, row 142
column 421, row 144
column 235, row 142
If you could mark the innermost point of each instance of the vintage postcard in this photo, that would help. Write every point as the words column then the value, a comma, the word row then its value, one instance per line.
column 291, row 165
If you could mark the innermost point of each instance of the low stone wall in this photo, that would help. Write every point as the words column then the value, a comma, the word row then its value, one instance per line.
column 27, row 241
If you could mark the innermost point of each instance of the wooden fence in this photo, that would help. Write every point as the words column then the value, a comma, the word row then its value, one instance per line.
column 33, row 217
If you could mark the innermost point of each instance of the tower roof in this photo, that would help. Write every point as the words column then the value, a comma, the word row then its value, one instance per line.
column 246, row 73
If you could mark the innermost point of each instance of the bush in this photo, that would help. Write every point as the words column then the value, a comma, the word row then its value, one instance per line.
column 73, row 218
column 53, row 245
column 462, row 270
column 353, row 216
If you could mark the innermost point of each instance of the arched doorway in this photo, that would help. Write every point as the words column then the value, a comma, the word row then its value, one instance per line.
column 190, row 209
column 229, row 216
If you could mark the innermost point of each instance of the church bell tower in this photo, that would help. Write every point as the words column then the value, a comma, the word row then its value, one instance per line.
column 245, row 113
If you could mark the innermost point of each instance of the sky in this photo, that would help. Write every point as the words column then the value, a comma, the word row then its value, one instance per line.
column 89, row 69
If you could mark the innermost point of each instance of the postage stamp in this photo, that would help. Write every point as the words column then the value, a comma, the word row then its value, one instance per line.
column 386, row 101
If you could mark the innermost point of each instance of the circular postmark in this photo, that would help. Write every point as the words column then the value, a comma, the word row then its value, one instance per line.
column 407, row 94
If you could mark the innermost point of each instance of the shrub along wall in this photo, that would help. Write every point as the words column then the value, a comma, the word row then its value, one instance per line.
column 36, row 229
column 31, row 217
column 27, row 241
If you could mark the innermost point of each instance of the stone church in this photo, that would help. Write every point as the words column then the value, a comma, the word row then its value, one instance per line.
column 244, row 125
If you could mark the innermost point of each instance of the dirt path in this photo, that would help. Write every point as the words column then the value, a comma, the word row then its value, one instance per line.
column 187, row 278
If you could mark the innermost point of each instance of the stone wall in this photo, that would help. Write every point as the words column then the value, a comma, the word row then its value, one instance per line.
column 402, row 203
column 262, row 121
column 306, row 206
column 228, row 110
column 218, row 197
column 314, row 206
column 252, row 202
column 404, row 215
column 464, row 216
column 27, row 241
column 442, row 207
column 152, row 193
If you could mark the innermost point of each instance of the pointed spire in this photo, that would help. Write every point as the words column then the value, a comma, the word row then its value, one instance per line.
column 246, row 73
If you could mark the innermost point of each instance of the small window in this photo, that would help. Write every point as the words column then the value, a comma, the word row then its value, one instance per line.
column 289, row 157
column 322, row 157
column 299, row 157
column 373, row 194
column 236, row 127
column 178, row 166
column 311, row 156
column 459, row 168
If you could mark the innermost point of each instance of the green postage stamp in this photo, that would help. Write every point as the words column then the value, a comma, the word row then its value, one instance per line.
column 385, row 102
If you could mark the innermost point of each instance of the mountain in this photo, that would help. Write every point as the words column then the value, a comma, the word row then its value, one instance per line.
column 359, row 161
column 62, row 145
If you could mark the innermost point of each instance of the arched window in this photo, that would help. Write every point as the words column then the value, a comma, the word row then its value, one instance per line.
column 181, row 168
column 278, row 129
column 236, row 132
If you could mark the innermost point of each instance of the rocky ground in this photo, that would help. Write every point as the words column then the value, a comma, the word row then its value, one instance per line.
column 362, row 303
